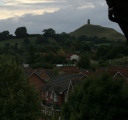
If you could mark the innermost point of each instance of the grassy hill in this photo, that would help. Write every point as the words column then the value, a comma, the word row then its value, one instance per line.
column 20, row 41
column 96, row 30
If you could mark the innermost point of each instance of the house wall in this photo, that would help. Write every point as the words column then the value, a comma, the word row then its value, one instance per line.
column 60, row 99
column 74, row 57
column 36, row 81
column 51, row 100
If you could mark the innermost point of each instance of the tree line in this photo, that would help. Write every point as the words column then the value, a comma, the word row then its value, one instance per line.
column 20, row 32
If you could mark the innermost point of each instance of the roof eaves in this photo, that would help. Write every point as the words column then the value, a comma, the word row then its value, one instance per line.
column 120, row 74
column 38, row 76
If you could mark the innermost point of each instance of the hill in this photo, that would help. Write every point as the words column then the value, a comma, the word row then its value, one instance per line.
column 97, row 30
column 20, row 41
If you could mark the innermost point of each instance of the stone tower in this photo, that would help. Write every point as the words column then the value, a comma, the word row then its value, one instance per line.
column 88, row 22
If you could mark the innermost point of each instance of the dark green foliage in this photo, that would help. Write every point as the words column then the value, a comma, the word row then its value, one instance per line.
column 54, row 59
column 84, row 61
column 48, row 32
column 111, row 52
column 94, row 39
column 103, row 63
column 31, row 54
column 21, row 32
column 18, row 100
column 42, row 65
column 4, row 35
column 26, row 41
column 85, row 47
column 42, row 40
column 98, row 98
column 50, row 48
column 52, row 42
column 64, row 39
column 83, row 38
column 16, row 45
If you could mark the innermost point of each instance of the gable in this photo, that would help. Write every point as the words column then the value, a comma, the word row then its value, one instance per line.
column 118, row 75
column 44, row 76
column 36, row 81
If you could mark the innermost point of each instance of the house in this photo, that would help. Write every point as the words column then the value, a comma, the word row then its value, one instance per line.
column 56, row 91
column 45, row 74
column 118, row 72
column 115, row 72
column 39, row 77
column 74, row 57
column 37, row 80
column 69, row 69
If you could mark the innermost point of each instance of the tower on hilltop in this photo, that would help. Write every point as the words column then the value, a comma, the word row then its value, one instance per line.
column 88, row 22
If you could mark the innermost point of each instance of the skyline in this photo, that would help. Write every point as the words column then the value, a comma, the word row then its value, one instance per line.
column 61, row 15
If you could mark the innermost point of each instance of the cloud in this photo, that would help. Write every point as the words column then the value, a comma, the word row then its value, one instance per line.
column 61, row 15
column 12, row 8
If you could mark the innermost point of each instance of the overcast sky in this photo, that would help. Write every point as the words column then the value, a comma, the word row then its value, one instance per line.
column 61, row 15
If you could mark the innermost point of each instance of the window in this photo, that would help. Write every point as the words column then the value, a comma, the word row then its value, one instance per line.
column 51, row 95
column 66, row 97
column 46, row 95
column 42, row 93
column 55, row 97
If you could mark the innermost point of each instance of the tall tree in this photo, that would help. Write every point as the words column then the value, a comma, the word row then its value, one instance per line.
column 18, row 100
column 48, row 32
column 21, row 32
column 31, row 54
column 4, row 35
column 98, row 98
column 84, row 61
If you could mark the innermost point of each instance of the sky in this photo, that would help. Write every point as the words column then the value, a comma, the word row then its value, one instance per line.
column 60, row 15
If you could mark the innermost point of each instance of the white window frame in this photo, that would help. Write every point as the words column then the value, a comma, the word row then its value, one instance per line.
column 51, row 95
column 42, row 93
column 46, row 95
column 55, row 97
column 66, row 97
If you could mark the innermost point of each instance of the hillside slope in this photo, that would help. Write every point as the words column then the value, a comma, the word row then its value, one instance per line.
column 96, row 30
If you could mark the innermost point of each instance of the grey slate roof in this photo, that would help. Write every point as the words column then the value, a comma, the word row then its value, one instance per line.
column 61, row 82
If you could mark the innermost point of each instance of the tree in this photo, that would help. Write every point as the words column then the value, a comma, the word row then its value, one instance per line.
column 103, row 51
column 48, row 32
column 61, row 52
column 31, row 54
column 26, row 41
column 4, row 35
column 84, row 61
column 98, row 98
column 18, row 100
column 21, row 32
column 85, row 47
column 42, row 40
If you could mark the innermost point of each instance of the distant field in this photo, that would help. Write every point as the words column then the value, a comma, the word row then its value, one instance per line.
column 12, row 42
